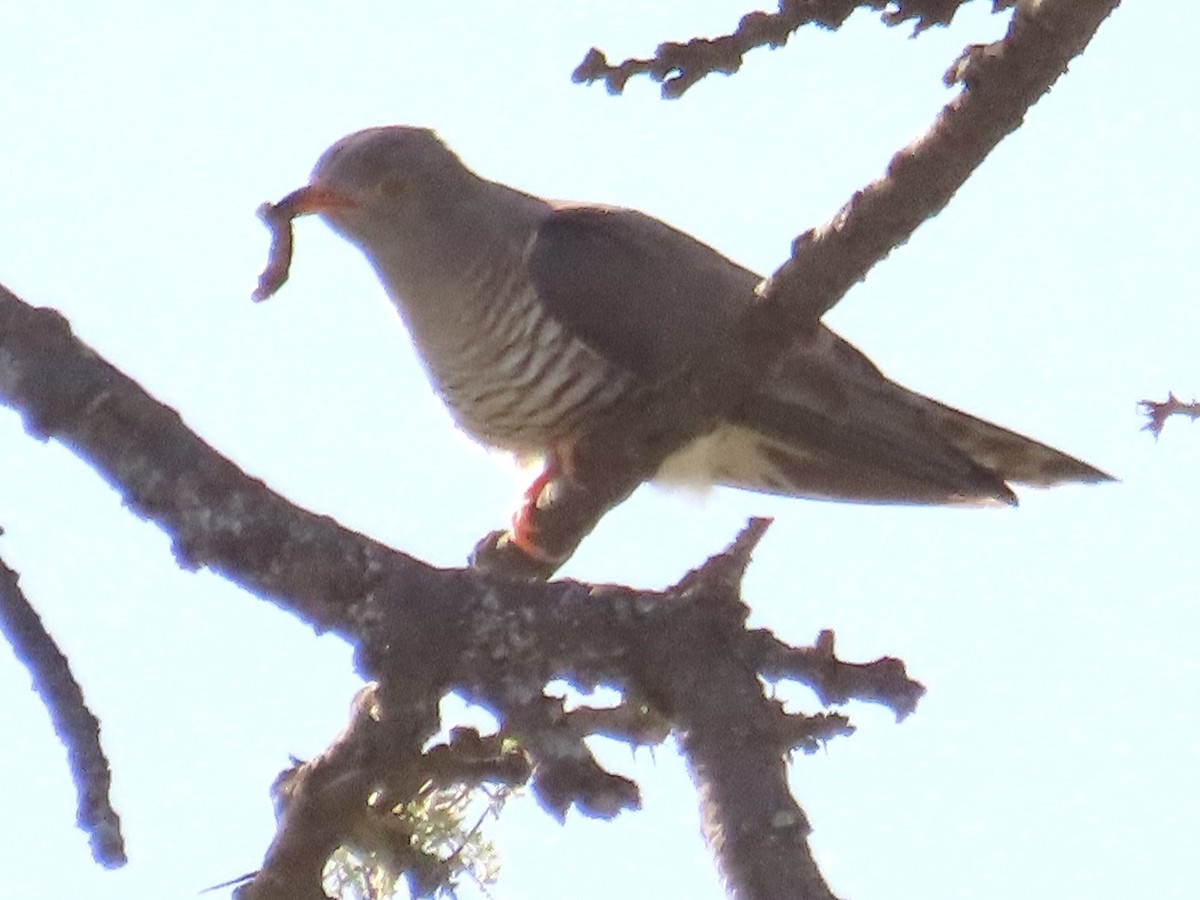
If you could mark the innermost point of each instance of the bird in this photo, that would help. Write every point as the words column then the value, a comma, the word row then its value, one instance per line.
column 535, row 317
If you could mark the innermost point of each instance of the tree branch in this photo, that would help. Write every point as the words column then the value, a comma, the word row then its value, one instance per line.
column 73, row 722
column 1000, row 81
column 731, row 736
column 678, row 66
column 1157, row 412
column 421, row 633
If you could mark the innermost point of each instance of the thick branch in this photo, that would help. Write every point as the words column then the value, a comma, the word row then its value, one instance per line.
column 730, row 735
column 421, row 632
column 1001, row 82
column 319, row 804
column 216, row 515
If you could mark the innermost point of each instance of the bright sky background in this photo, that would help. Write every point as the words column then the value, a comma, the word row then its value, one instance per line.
column 1056, row 752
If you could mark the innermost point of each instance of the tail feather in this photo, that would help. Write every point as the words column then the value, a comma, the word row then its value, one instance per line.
column 829, row 425
column 850, row 465
column 1012, row 456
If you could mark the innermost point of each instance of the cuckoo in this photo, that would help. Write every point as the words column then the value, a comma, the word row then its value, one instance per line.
column 534, row 318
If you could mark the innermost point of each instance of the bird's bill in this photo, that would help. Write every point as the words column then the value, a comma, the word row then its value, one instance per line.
column 312, row 198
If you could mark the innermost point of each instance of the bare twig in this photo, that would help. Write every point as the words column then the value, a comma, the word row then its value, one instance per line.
column 883, row 681
column 1158, row 413
column 678, row 66
column 633, row 723
column 74, row 723
column 470, row 759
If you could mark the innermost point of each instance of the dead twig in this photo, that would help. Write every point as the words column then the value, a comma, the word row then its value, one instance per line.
column 1158, row 413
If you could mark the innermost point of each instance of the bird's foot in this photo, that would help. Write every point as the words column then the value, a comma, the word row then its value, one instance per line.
column 524, row 529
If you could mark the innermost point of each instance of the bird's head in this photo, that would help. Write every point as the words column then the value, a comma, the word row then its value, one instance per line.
column 374, row 183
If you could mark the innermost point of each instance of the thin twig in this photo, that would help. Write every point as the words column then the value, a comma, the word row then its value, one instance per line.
column 679, row 66
column 74, row 723
column 1158, row 413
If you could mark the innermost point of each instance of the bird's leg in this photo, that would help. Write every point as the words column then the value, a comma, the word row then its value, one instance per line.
column 523, row 531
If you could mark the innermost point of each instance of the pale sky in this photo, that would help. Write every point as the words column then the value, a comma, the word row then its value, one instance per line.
column 1055, row 754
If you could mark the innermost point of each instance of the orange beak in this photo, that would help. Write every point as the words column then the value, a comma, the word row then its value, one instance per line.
column 312, row 198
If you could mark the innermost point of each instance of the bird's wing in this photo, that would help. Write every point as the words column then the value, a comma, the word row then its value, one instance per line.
column 640, row 293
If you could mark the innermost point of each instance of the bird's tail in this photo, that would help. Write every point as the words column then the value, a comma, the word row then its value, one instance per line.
column 831, row 426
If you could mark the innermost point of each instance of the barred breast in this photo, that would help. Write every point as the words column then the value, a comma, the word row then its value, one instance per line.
column 513, row 377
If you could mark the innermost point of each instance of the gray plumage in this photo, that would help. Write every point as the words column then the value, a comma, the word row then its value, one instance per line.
column 532, row 317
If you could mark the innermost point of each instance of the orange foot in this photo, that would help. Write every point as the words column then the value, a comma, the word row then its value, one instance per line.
column 523, row 530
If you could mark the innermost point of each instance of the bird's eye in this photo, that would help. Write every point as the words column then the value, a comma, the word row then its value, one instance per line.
column 393, row 187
